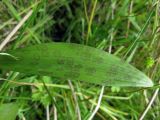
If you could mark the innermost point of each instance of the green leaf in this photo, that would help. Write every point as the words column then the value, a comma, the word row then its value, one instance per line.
column 8, row 111
column 74, row 62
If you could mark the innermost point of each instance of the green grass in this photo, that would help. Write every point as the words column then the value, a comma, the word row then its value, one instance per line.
column 129, row 27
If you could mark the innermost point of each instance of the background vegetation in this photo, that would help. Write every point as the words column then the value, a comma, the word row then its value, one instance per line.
column 129, row 28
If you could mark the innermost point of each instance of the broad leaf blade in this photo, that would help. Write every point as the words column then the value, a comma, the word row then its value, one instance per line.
column 75, row 62
column 8, row 111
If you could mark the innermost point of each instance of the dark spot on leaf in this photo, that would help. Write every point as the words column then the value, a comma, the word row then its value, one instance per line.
column 90, row 71
column 71, row 75
column 69, row 62
column 43, row 72
column 61, row 61
column 78, row 66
